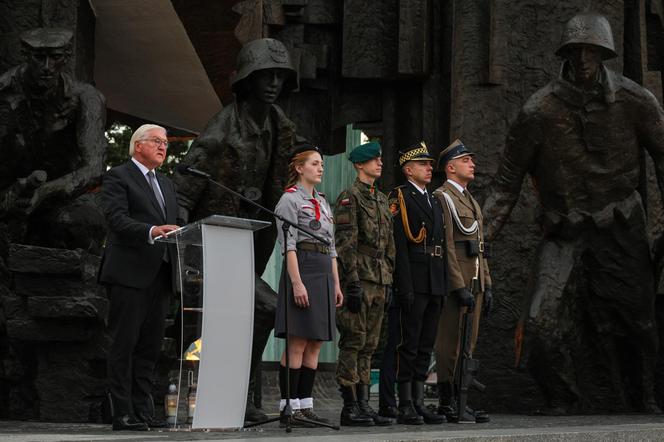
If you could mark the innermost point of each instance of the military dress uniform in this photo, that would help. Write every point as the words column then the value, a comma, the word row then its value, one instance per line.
column 365, row 245
column 464, row 248
column 419, row 288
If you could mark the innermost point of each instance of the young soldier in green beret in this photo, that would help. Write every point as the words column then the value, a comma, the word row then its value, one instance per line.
column 365, row 247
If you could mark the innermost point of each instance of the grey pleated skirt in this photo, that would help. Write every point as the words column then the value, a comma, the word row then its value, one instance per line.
column 317, row 322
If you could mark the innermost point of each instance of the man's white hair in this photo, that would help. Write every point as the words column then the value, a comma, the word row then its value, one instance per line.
column 139, row 135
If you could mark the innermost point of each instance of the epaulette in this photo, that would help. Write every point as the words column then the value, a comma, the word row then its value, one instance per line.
column 291, row 189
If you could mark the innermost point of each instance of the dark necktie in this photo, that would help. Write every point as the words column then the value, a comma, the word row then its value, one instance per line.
column 155, row 188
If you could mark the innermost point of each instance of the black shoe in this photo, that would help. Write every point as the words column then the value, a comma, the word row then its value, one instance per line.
column 128, row 423
column 365, row 408
column 388, row 411
column 151, row 421
column 253, row 414
column 308, row 413
column 481, row 416
column 407, row 414
column 283, row 421
column 429, row 417
column 351, row 416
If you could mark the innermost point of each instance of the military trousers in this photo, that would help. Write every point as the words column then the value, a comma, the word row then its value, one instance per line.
column 418, row 328
column 359, row 334
column 448, row 342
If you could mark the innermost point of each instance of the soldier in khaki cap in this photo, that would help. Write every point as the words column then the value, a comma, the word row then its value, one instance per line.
column 366, row 251
column 464, row 248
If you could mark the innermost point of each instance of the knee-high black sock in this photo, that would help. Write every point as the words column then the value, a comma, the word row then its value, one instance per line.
column 306, row 385
column 294, row 381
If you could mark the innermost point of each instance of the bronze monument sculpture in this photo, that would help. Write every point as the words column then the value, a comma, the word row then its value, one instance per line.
column 53, row 146
column 589, row 321
column 246, row 147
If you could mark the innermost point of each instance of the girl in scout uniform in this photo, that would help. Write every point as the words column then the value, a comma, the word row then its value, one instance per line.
column 312, row 269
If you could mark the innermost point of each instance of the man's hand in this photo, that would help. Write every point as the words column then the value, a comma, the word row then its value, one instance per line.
column 163, row 230
column 406, row 301
column 338, row 297
column 466, row 298
column 354, row 296
column 487, row 304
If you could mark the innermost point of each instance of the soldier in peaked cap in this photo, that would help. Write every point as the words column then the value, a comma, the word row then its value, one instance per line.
column 247, row 146
column 419, row 286
column 464, row 249
column 365, row 246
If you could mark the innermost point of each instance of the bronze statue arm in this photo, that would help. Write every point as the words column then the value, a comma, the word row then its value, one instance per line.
column 520, row 150
column 91, row 144
column 650, row 126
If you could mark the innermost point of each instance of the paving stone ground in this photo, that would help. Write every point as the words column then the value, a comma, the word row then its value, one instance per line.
column 502, row 428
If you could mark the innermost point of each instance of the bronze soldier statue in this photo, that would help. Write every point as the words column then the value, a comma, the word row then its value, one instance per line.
column 53, row 147
column 246, row 147
column 589, row 318
column 365, row 248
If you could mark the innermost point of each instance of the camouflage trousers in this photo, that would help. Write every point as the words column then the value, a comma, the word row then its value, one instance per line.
column 358, row 336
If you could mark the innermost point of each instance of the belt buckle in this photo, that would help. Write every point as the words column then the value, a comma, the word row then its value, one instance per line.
column 437, row 250
column 481, row 247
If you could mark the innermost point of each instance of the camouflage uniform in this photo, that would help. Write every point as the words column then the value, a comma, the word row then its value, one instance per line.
column 365, row 247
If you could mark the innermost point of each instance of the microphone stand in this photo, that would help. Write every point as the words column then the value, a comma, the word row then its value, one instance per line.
column 285, row 285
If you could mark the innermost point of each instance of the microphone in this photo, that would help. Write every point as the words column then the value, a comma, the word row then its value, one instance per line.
column 188, row 170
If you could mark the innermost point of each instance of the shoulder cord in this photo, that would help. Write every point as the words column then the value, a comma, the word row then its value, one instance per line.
column 451, row 208
column 421, row 236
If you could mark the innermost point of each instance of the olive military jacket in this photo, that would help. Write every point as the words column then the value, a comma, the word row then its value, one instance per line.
column 364, row 235
column 461, row 266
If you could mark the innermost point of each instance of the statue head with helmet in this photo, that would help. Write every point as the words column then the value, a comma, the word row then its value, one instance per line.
column 587, row 40
column 264, row 70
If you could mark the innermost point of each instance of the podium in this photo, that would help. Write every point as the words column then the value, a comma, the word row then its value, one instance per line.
column 216, row 262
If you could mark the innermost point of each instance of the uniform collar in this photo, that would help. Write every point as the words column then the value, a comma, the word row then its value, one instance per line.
column 606, row 88
column 364, row 187
column 458, row 186
column 422, row 190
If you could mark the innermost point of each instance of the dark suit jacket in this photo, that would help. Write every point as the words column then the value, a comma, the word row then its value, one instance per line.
column 415, row 271
column 131, row 208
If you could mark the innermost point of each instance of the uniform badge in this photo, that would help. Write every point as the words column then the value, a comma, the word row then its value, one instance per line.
column 345, row 202
column 314, row 224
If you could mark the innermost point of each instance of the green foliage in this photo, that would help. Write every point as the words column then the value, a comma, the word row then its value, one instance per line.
column 118, row 137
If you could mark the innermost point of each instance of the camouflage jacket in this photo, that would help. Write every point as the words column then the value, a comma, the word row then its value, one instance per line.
column 363, row 235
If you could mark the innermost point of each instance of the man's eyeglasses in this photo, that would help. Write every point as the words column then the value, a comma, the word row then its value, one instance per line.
column 158, row 142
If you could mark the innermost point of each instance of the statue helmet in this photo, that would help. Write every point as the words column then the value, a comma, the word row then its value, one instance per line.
column 264, row 53
column 47, row 38
column 588, row 28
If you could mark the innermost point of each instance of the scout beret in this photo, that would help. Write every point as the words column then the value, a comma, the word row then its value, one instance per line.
column 452, row 152
column 48, row 38
column 365, row 152
column 418, row 152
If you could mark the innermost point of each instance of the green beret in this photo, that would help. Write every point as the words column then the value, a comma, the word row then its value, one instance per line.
column 365, row 152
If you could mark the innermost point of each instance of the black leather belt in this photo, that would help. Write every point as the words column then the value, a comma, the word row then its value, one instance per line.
column 429, row 250
column 313, row 247
column 370, row 251
column 481, row 244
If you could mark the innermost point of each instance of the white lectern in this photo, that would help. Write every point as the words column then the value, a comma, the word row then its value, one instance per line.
column 218, row 253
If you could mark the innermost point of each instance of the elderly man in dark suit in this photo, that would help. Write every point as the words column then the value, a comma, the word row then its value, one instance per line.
column 139, row 206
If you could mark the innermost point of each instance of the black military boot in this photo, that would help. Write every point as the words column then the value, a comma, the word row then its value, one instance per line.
column 446, row 401
column 351, row 416
column 407, row 414
column 252, row 413
column 418, row 401
column 362, row 391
